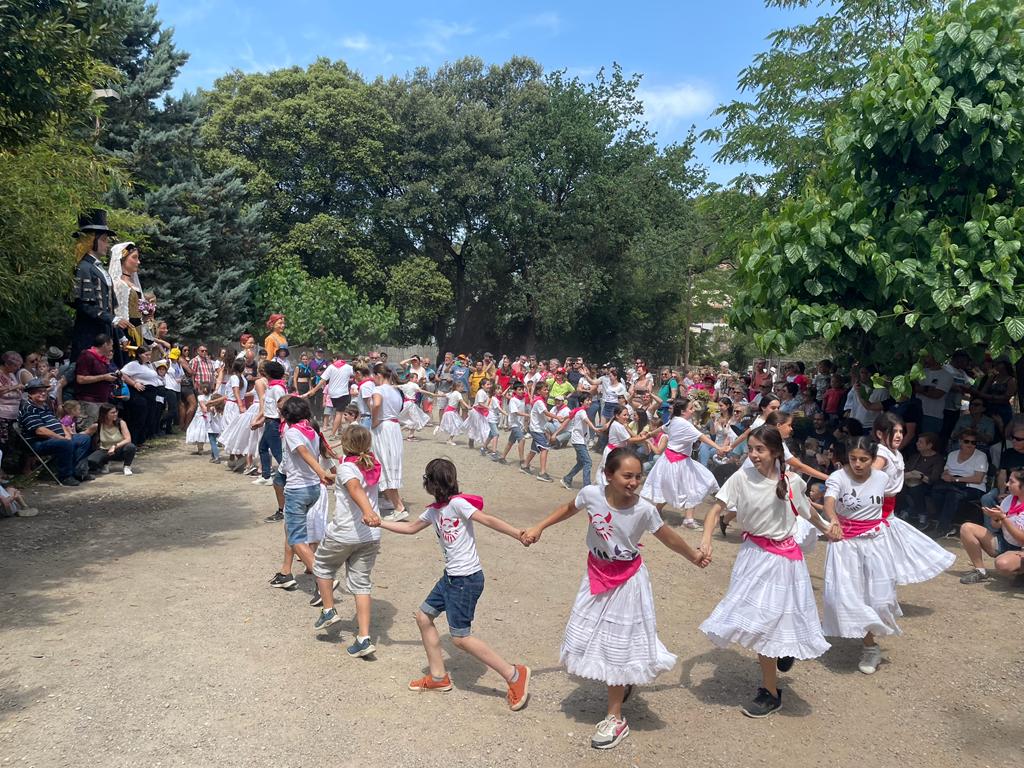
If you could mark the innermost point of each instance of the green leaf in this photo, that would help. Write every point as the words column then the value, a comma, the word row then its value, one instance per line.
column 813, row 286
column 1015, row 327
column 911, row 319
column 943, row 102
column 957, row 32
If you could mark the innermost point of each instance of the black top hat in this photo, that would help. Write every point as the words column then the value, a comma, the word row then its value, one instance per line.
column 93, row 221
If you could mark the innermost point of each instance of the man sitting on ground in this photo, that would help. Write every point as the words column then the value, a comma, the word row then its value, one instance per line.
column 49, row 437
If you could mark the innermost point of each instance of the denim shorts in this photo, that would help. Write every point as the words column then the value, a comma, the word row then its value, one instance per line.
column 492, row 430
column 456, row 596
column 297, row 502
column 1003, row 545
column 540, row 442
column 515, row 434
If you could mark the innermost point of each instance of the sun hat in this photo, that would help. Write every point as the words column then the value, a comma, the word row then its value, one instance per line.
column 174, row 354
column 35, row 383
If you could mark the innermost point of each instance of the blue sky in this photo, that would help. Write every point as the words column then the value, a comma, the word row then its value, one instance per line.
column 689, row 52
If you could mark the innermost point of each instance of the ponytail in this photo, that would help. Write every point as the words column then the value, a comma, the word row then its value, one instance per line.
column 782, row 486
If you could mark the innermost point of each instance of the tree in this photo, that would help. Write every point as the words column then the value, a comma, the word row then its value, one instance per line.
column 908, row 239
column 798, row 86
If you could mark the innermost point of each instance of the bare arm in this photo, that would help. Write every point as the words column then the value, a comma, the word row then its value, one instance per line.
column 327, row 478
column 408, row 528
column 355, row 490
column 497, row 524
column 563, row 512
column 678, row 544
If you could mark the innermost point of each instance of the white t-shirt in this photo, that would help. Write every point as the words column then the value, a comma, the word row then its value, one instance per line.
column 538, row 419
column 610, row 392
column 453, row 525
column 453, row 399
column 240, row 383
column 270, row 397
column 492, row 409
column 366, row 390
column 481, row 398
column 893, row 469
column 409, row 390
column 172, row 379
column 516, row 412
column 337, row 378
column 614, row 534
column 759, row 510
column 681, row 435
column 143, row 373
column 390, row 401
column 955, row 398
column 939, row 378
column 862, row 414
column 579, row 430
column 977, row 462
column 618, row 435
column 563, row 413
column 1016, row 537
column 298, row 474
column 857, row 500
column 347, row 524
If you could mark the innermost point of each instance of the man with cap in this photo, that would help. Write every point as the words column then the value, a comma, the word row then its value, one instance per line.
column 49, row 437
column 94, row 300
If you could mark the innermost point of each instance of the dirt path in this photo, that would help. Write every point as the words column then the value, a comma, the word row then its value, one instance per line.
column 138, row 629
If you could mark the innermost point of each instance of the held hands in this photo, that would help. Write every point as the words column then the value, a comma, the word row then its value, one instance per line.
column 373, row 521
column 529, row 536
column 701, row 557
column 327, row 478
column 834, row 532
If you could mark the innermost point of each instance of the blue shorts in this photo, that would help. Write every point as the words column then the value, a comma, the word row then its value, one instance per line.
column 515, row 434
column 540, row 442
column 457, row 596
column 1003, row 545
column 297, row 502
column 492, row 430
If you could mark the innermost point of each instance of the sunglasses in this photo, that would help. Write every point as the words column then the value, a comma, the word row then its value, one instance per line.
column 969, row 442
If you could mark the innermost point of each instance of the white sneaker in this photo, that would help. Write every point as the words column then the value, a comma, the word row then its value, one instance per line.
column 609, row 733
column 263, row 481
column 397, row 517
column 128, row 471
column 870, row 658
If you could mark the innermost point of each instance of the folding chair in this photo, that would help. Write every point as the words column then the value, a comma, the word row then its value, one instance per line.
column 44, row 460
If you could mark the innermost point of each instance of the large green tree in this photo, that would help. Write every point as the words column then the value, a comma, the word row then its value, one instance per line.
column 908, row 239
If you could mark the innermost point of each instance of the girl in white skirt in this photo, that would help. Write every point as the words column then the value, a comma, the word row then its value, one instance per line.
column 619, row 436
column 769, row 607
column 476, row 423
column 452, row 422
column 412, row 417
column 676, row 479
column 915, row 557
column 235, row 387
column 240, row 441
column 860, row 581
column 197, row 433
column 612, row 634
column 385, row 407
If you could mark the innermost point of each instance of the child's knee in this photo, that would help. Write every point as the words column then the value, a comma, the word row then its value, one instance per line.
column 460, row 641
column 1008, row 564
column 422, row 619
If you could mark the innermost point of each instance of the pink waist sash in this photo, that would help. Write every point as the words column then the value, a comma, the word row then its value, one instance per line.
column 481, row 409
column 674, row 456
column 786, row 548
column 612, row 447
column 854, row 528
column 449, row 409
column 888, row 506
column 606, row 575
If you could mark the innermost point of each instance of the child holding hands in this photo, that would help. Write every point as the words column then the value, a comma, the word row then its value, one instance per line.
column 452, row 515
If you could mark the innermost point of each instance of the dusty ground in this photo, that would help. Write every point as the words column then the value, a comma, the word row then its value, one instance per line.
column 137, row 628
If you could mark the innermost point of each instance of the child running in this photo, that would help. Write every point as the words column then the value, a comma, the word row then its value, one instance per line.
column 456, row 593
column 539, row 416
column 612, row 634
column 860, row 580
column 452, row 422
column 352, row 539
column 915, row 557
column 516, row 422
column 769, row 607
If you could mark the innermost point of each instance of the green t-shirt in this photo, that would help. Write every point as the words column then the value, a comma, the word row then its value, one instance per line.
column 555, row 389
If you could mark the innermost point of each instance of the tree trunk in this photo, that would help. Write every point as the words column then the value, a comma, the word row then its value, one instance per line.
column 689, row 318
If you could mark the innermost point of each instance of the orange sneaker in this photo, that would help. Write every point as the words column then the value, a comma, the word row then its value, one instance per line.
column 519, row 691
column 428, row 683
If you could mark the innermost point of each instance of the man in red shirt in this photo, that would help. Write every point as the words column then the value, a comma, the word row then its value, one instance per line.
column 94, row 377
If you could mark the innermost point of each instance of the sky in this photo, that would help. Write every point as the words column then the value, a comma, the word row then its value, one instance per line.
column 689, row 52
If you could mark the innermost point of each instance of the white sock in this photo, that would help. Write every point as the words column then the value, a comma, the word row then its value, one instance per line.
column 982, row 571
column 361, row 639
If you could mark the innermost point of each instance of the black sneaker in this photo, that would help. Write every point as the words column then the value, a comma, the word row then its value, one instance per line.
column 784, row 663
column 723, row 525
column 277, row 517
column 283, row 581
column 316, row 600
column 763, row 704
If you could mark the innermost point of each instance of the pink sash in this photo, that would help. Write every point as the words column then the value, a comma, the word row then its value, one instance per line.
column 674, row 456
column 888, row 506
column 277, row 383
column 854, row 528
column 371, row 475
column 476, row 501
column 449, row 409
column 612, row 447
column 605, row 575
column 482, row 410
column 786, row 548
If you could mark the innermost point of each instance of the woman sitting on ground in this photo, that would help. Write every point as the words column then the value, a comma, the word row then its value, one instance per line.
column 1005, row 544
column 113, row 441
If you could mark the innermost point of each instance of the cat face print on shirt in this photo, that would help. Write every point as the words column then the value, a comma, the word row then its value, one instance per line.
column 450, row 528
column 602, row 524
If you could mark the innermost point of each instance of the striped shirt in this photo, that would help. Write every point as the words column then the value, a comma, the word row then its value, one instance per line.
column 33, row 417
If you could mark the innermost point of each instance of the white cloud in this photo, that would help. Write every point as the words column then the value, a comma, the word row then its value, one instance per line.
column 437, row 34
column 358, row 42
column 666, row 106
column 549, row 20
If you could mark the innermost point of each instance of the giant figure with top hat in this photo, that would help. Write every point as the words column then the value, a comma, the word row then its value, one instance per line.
column 94, row 299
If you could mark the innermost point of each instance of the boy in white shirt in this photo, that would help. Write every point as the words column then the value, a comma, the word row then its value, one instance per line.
column 539, row 415
column 516, row 422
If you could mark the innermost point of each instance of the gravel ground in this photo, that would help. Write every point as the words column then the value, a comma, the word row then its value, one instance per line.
column 138, row 629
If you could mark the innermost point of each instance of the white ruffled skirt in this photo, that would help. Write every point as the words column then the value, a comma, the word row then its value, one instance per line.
column 805, row 535
column 387, row 447
column 613, row 637
column 769, row 607
column 476, row 427
column 860, row 588
column 680, row 484
column 237, row 438
column 915, row 557
column 198, row 429
column 413, row 417
column 231, row 413
column 452, row 424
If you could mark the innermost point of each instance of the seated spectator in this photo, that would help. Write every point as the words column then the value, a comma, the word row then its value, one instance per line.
column 963, row 479
column 975, row 419
column 72, row 410
column 49, row 437
column 12, row 503
column 113, row 441
column 1005, row 543
column 922, row 471
column 10, row 394
column 1010, row 458
column 95, row 377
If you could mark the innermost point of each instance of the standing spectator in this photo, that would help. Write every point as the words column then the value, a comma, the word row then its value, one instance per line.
column 10, row 395
column 933, row 390
column 999, row 389
column 113, row 441
column 953, row 407
column 864, row 402
column 276, row 338
column 172, row 391
column 49, row 437
column 476, row 377
column 460, row 372
column 95, row 377
column 143, row 409
column 94, row 294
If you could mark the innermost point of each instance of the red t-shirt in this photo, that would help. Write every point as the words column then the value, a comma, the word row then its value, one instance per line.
column 89, row 364
column 833, row 401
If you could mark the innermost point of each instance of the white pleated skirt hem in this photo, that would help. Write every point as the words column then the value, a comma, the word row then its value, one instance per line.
column 680, row 484
column 197, row 432
column 915, row 557
column 860, row 589
column 413, row 417
column 452, row 424
column 387, row 447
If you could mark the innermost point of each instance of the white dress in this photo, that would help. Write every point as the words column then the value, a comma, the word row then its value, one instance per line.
column 769, row 607
column 387, row 438
column 613, row 636
column 618, row 436
column 231, row 408
column 412, row 416
column 198, row 429
column 681, row 484
column 860, row 581
column 915, row 557
column 451, row 422
column 476, row 422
